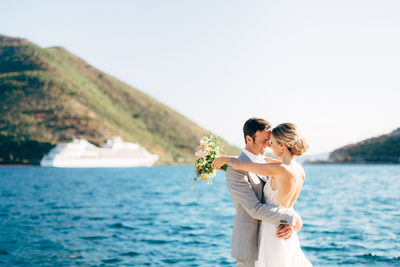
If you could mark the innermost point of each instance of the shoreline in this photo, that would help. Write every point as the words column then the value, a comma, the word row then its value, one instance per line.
column 350, row 163
column 17, row 165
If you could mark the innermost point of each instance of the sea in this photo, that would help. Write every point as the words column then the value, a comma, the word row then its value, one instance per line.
column 152, row 217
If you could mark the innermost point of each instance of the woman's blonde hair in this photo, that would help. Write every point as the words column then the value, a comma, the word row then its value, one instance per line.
column 289, row 135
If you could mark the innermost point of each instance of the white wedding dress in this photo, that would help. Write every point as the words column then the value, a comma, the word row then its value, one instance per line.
column 276, row 252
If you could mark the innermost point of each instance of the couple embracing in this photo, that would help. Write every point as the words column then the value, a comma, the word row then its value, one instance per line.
column 264, row 191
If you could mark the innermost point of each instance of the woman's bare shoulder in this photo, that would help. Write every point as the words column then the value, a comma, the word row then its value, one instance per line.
column 301, row 171
column 293, row 173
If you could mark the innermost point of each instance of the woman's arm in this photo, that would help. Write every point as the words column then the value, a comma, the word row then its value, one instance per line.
column 265, row 169
column 272, row 160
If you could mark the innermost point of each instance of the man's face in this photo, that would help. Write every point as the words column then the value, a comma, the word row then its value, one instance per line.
column 260, row 142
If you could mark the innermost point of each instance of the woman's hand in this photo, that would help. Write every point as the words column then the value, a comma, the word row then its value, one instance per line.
column 219, row 162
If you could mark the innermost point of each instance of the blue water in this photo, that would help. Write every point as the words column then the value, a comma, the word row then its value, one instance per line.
column 150, row 217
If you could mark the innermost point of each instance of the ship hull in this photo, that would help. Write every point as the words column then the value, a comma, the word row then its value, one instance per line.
column 115, row 154
column 98, row 163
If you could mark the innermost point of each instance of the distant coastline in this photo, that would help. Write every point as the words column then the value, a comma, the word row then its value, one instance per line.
column 383, row 149
column 348, row 163
column 17, row 165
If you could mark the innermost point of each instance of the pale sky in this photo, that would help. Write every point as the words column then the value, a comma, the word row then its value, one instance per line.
column 332, row 67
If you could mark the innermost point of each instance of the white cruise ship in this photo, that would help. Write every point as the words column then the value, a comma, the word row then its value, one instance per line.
column 115, row 153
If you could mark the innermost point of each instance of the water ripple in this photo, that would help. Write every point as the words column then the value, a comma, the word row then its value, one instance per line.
column 150, row 217
column 130, row 254
column 121, row 226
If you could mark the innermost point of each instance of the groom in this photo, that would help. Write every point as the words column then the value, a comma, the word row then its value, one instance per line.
column 247, row 195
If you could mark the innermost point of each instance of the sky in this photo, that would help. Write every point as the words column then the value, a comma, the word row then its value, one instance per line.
column 331, row 67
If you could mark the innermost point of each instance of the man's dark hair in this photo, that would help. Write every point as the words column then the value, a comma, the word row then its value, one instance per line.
column 251, row 126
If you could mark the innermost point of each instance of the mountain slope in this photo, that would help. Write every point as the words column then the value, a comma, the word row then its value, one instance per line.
column 381, row 149
column 48, row 96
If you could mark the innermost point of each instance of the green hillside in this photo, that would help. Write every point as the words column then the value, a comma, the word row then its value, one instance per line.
column 49, row 96
column 381, row 149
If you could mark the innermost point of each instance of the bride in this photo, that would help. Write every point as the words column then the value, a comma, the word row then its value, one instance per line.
column 286, row 178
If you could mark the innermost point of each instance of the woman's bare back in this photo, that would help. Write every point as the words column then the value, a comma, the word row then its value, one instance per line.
column 289, row 184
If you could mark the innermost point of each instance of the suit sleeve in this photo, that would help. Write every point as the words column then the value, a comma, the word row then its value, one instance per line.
column 241, row 190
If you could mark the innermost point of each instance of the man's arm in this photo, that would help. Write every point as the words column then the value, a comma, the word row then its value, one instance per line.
column 241, row 190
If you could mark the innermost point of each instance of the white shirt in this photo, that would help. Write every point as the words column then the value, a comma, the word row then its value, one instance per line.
column 256, row 159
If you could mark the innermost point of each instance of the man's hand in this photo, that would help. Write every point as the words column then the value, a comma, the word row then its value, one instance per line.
column 285, row 231
column 299, row 224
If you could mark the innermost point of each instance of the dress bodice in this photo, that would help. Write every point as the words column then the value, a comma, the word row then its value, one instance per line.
column 271, row 196
column 274, row 251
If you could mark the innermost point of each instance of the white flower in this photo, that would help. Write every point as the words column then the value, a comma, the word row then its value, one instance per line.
column 208, row 144
column 210, row 175
column 201, row 153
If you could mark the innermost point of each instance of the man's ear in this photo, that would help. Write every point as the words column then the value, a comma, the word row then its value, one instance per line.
column 249, row 139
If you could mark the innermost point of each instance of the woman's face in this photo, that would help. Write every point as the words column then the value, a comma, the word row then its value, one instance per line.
column 275, row 146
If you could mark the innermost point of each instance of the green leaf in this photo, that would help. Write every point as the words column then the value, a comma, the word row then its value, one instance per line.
column 224, row 167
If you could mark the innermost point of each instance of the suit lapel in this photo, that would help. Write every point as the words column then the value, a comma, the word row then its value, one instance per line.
column 254, row 177
column 256, row 182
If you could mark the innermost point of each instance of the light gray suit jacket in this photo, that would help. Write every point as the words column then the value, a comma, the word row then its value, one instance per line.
column 247, row 195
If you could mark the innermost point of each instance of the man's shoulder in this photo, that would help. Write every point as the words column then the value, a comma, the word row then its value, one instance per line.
column 234, row 172
column 243, row 156
column 231, row 172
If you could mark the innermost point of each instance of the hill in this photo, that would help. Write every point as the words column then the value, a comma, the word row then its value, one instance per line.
column 381, row 149
column 50, row 96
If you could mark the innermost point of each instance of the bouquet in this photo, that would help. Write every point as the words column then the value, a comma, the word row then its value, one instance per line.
column 206, row 152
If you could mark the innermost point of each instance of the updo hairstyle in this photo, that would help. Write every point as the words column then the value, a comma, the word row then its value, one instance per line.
column 289, row 135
